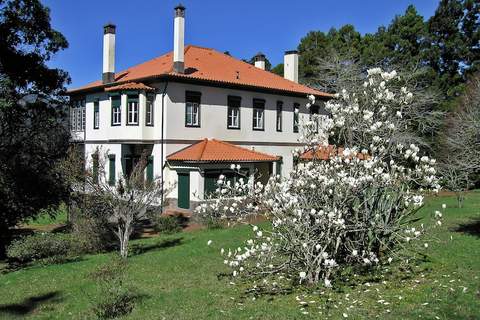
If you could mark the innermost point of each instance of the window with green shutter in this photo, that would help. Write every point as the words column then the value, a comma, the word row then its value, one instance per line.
column 116, row 111
column 95, row 166
column 111, row 169
column 132, row 110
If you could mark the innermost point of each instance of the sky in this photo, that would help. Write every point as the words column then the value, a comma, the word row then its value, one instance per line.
column 242, row 27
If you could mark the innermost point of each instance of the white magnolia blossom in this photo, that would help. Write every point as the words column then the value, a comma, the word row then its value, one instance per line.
column 351, row 210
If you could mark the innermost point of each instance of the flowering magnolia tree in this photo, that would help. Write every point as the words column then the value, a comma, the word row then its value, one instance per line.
column 355, row 209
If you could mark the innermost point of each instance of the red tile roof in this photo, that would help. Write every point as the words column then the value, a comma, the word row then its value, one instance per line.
column 327, row 152
column 219, row 151
column 207, row 65
column 130, row 86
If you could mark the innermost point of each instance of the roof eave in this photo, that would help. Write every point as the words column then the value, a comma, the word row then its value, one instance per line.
column 184, row 79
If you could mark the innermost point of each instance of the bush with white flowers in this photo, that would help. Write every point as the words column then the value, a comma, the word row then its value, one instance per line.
column 355, row 210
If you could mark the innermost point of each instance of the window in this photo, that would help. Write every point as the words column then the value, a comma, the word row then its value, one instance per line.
column 296, row 114
column 111, row 169
column 279, row 115
column 96, row 115
column 132, row 110
column 233, row 115
column 314, row 111
column 150, row 169
column 95, row 166
column 116, row 111
column 192, row 109
column 258, row 114
column 149, row 110
column 77, row 115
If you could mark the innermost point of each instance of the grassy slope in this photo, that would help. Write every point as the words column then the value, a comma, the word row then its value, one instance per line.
column 180, row 281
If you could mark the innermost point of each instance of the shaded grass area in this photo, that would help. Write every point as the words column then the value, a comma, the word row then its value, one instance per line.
column 49, row 217
column 180, row 277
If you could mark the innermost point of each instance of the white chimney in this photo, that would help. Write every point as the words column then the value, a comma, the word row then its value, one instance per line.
column 260, row 61
column 290, row 65
column 108, row 74
column 179, row 39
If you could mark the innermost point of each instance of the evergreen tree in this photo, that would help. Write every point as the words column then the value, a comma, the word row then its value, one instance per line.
column 33, row 134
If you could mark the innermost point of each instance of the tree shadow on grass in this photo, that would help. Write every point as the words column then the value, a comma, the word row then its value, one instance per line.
column 471, row 227
column 28, row 305
column 137, row 249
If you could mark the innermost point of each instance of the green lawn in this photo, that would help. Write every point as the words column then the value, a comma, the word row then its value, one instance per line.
column 45, row 219
column 178, row 277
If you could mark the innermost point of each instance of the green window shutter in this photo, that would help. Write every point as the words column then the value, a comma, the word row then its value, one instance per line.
column 150, row 169
column 111, row 169
column 95, row 166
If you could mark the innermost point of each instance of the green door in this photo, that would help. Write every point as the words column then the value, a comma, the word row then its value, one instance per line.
column 184, row 190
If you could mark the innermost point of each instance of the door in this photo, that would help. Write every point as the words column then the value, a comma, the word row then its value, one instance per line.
column 184, row 190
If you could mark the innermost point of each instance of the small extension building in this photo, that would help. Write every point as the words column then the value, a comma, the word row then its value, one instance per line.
column 194, row 111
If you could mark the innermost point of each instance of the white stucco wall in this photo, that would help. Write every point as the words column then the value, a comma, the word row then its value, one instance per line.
column 213, row 124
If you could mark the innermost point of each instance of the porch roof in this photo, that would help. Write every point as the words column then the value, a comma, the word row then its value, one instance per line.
column 212, row 150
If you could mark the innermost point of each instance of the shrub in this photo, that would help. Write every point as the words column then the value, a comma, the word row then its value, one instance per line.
column 213, row 222
column 115, row 297
column 90, row 226
column 168, row 224
column 93, row 234
column 46, row 247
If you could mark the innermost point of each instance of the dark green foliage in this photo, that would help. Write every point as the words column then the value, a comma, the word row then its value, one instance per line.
column 278, row 69
column 168, row 224
column 90, row 226
column 446, row 46
column 43, row 247
column 115, row 297
column 33, row 134
column 27, row 43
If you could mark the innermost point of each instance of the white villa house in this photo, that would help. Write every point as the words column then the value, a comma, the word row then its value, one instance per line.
column 195, row 111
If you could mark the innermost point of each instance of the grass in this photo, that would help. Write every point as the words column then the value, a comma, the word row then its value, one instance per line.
column 179, row 278
column 49, row 217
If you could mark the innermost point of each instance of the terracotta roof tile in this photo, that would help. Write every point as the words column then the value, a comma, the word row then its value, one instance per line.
column 219, row 151
column 130, row 86
column 208, row 65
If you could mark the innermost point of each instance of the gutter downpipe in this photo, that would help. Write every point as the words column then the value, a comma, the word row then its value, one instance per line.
column 164, row 92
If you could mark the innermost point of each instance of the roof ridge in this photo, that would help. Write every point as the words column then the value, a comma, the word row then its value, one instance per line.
column 246, row 149
column 205, row 142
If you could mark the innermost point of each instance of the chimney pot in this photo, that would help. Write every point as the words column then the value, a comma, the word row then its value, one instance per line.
column 290, row 65
column 179, row 39
column 259, row 60
column 108, row 74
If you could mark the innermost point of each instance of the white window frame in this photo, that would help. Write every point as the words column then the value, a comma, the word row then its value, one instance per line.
column 117, row 116
column 259, row 119
column 77, row 116
column 149, row 111
column 192, row 109
column 132, row 113
column 234, row 117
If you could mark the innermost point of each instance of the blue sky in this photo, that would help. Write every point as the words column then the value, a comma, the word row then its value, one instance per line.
column 145, row 27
